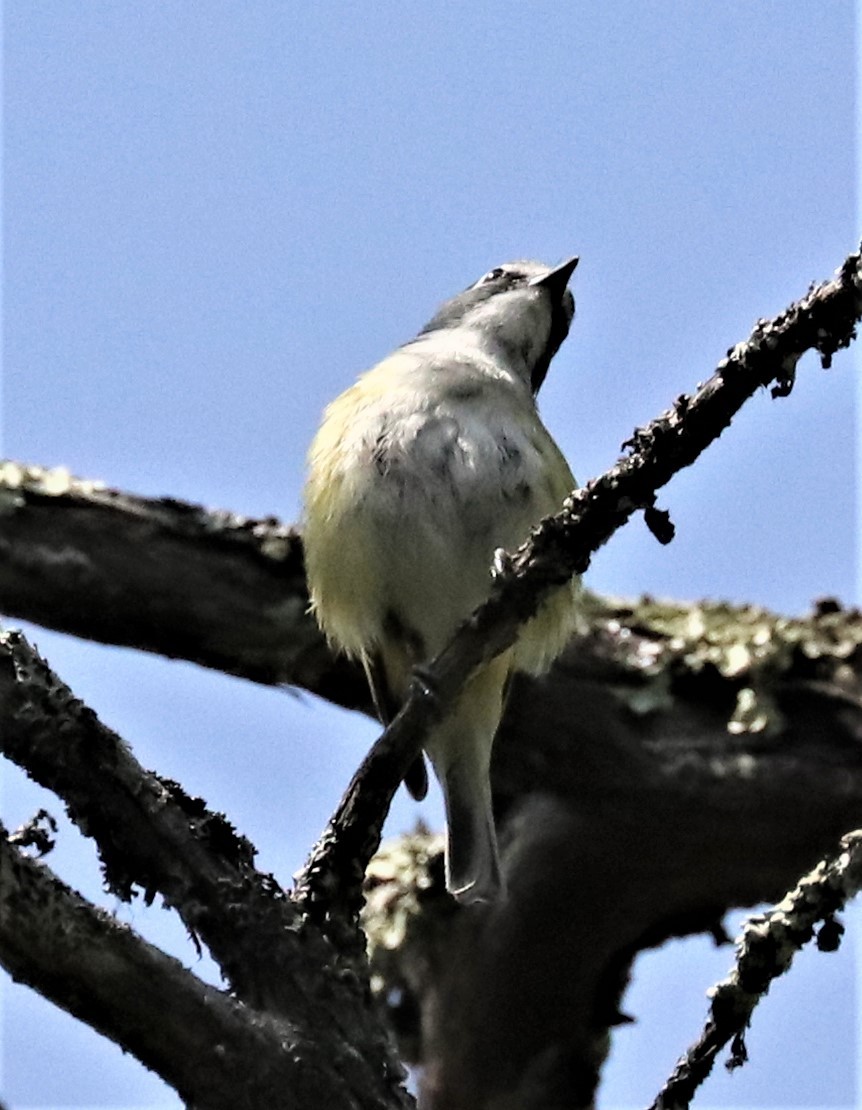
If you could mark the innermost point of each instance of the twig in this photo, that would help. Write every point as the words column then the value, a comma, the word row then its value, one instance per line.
column 764, row 951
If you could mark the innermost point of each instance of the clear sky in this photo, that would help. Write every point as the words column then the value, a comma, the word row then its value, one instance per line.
column 217, row 214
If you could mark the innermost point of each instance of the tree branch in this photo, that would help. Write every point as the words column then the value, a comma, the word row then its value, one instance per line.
column 620, row 821
column 150, row 833
column 103, row 973
column 164, row 576
column 660, row 775
column 764, row 951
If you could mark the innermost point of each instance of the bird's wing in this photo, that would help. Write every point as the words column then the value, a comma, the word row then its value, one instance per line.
column 387, row 706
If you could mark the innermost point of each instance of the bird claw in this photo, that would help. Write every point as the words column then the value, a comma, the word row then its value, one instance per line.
column 502, row 563
column 424, row 679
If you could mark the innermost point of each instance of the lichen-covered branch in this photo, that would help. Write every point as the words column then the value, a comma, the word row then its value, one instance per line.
column 630, row 783
column 152, row 836
column 635, row 802
column 198, row 1039
column 764, row 951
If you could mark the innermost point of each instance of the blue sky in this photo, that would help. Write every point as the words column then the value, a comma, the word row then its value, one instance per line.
column 216, row 215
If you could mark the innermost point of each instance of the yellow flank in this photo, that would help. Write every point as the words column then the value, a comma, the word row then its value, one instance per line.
column 345, row 584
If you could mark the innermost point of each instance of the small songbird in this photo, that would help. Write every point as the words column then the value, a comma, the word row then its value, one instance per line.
column 422, row 470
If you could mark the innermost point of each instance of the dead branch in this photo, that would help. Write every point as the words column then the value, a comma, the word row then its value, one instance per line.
column 197, row 1038
column 152, row 836
column 764, row 951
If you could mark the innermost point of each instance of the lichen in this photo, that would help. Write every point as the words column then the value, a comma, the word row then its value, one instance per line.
column 18, row 478
column 748, row 646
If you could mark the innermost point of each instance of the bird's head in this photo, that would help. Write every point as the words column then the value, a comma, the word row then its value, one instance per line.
column 525, row 308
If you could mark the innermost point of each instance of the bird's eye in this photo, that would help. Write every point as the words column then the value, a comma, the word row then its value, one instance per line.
column 492, row 275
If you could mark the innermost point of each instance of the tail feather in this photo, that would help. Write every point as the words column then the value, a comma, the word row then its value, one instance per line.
column 472, row 861
column 460, row 751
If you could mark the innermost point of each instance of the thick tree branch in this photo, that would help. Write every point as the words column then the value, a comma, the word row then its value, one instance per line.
column 148, row 832
column 151, row 834
column 192, row 1035
column 164, row 576
column 659, row 776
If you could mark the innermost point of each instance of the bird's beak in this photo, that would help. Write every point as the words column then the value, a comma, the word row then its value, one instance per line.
column 557, row 279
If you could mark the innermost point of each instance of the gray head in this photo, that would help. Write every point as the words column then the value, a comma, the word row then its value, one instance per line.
column 524, row 308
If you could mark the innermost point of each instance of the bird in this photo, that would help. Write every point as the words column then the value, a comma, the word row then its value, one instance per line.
column 420, row 473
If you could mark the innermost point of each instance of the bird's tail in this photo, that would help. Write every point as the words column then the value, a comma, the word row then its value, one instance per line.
column 460, row 751
column 472, row 860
